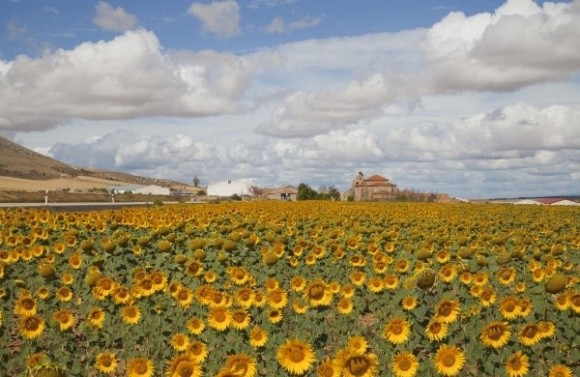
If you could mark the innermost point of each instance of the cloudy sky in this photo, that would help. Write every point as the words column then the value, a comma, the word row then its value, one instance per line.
column 472, row 98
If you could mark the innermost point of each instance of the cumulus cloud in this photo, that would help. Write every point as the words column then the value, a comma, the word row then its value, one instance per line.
column 305, row 114
column 221, row 18
column 113, row 19
column 519, row 44
column 514, row 150
column 128, row 77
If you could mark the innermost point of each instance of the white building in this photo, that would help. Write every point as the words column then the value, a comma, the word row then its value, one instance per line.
column 228, row 188
column 139, row 189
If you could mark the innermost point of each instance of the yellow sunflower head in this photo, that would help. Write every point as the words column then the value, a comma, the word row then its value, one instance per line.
column 295, row 356
column 405, row 364
column 449, row 360
column 517, row 365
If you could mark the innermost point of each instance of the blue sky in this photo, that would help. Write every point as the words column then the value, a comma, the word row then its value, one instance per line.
column 472, row 98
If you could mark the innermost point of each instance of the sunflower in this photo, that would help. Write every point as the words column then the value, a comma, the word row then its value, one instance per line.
column 529, row 334
column 105, row 286
column 121, row 296
column 352, row 363
column 465, row 277
column 96, row 318
column 179, row 341
column 318, row 293
column 140, row 367
column 295, row 356
column 405, row 364
column 31, row 326
column 35, row 359
column 219, row 318
column 375, row 284
column 495, row 334
column 131, row 314
column 506, row 275
column 272, row 283
column 106, row 362
column 449, row 360
column 42, row 293
column 447, row 311
column 67, row 278
column 259, row 299
column 436, row 330
column 448, row 273
column 275, row 316
column 509, row 307
column 562, row 301
column 240, row 319
column 277, row 298
column 357, row 278
column 409, row 303
column 547, row 328
column 480, row 279
column 517, row 365
column 64, row 294
column 244, row 297
column 575, row 302
column 210, row 276
column 443, row 256
column 197, row 351
column 560, row 370
column 258, row 337
column 299, row 306
column 327, row 369
column 195, row 326
column 184, row 297
column 358, row 343
column 239, row 365
column 402, row 266
column 182, row 366
column 525, row 306
column 487, row 297
column 64, row 318
column 538, row 275
column 397, row 330
column 391, row 281
column 25, row 306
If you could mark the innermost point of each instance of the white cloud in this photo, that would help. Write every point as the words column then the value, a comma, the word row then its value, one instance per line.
column 254, row 4
column 304, row 114
column 520, row 44
column 113, row 19
column 276, row 25
column 128, row 77
column 515, row 150
column 221, row 18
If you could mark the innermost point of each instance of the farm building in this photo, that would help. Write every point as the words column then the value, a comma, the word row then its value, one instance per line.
column 373, row 188
column 281, row 193
column 228, row 188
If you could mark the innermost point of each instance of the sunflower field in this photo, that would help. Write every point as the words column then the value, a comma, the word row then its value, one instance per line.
column 291, row 289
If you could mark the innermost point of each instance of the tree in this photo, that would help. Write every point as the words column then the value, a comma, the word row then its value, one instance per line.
column 306, row 192
column 196, row 181
column 333, row 193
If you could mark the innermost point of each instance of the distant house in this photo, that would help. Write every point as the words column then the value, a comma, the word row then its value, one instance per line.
column 228, row 188
column 289, row 193
column 557, row 202
column 373, row 188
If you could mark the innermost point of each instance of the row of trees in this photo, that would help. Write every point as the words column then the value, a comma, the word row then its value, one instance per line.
column 306, row 192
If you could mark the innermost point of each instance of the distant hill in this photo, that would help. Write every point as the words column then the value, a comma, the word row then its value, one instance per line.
column 17, row 161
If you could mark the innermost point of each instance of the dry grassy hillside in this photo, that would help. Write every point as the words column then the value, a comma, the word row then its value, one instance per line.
column 23, row 170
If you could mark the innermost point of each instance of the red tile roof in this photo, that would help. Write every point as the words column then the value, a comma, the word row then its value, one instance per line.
column 376, row 178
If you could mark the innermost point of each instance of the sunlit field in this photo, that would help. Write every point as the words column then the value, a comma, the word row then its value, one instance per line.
column 291, row 289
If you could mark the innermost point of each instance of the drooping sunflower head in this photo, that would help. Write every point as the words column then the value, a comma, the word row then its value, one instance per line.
column 318, row 293
column 529, row 334
column 239, row 365
column 351, row 363
column 182, row 366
